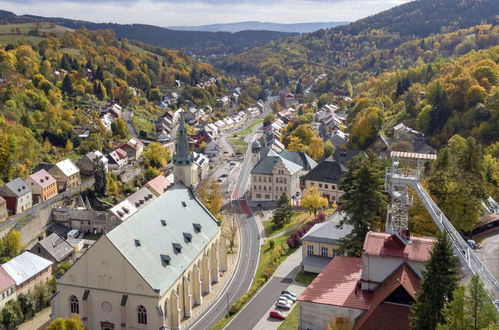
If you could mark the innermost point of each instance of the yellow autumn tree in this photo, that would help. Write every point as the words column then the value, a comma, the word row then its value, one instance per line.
column 313, row 201
column 316, row 148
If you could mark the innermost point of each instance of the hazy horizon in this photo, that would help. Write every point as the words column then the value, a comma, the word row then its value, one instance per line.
column 201, row 12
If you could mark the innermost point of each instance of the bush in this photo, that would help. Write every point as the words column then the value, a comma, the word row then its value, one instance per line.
column 271, row 243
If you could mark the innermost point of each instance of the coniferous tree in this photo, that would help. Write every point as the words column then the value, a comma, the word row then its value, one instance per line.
column 440, row 279
column 99, row 74
column 364, row 200
column 283, row 211
column 67, row 85
column 100, row 178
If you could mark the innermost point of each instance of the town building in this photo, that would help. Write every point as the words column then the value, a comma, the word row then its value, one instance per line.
column 18, row 195
column 158, row 185
column 203, row 165
column 212, row 149
column 184, row 168
column 117, row 159
column 123, row 210
column 84, row 220
column 53, row 248
column 374, row 291
column 326, row 178
column 339, row 139
column 4, row 214
column 43, row 186
column 278, row 173
column 344, row 155
column 66, row 173
column 134, row 148
column 87, row 163
column 141, row 198
column 28, row 270
column 7, row 288
column 150, row 271
column 322, row 242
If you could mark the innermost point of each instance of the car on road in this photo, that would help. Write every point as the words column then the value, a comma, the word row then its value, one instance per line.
column 289, row 292
column 289, row 297
column 277, row 314
column 226, row 152
column 223, row 175
column 283, row 304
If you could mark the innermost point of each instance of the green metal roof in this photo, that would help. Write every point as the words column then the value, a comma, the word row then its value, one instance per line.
column 144, row 239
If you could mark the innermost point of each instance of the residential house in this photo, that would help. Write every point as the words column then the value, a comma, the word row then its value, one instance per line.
column 415, row 138
column 18, row 195
column 202, row 163
column 123, row 210
column 84, row 220
column 343, row 156
column 339, row 139
column 322, row 242
column 158, row 185
column 117, row 159
column 4, row 214
column 28, row 270
column 66, row 173
column 115, row 109
column 43, row 185
column 7, row 288
column 212, row 149
column 134, row 148
column 141, row 198
column 87, row 163
column 53, row 248
column 152, row 269
column 375, row 291
column 326, row 178
column 278, row 173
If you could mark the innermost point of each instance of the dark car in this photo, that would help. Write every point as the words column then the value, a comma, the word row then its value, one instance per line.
column 277, row 314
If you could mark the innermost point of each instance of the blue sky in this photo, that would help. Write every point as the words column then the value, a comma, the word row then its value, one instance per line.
column 199, row 12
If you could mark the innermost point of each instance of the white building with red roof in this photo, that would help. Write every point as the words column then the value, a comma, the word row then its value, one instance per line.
column 374, row 292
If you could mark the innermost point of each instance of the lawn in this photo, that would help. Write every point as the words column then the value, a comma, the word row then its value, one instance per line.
column 305, row 277
column 298, row 219
column 237, row 139
column 292, row 321
column 15, row 38
column 264, row 264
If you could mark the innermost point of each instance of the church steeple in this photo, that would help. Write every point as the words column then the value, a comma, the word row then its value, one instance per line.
column 182, row 155
column 184, row 169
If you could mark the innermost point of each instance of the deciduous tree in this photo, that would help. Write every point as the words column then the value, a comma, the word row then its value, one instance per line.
column 313, row 201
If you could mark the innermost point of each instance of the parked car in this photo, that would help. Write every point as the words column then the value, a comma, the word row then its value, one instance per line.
column 289, row 292
column 286, row 299
column 289, row 297
column 284, row 304
column 277, row 314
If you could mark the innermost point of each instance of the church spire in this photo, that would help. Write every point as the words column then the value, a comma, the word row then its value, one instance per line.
column 182, row 155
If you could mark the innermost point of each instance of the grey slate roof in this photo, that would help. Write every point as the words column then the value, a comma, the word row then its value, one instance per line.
column 25, row 266
column 141, row 198
column 56, row 246
column 143, row 238
column 15, row 188
column 327, row 232
column 343, row 156
column 300, row 158
column 326, row 171
column 267, row 163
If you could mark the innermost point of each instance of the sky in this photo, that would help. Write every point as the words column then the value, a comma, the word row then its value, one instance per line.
column 200, row 12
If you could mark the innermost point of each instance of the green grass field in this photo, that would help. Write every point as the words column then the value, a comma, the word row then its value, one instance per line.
column 292, row 321
column 14, row 33
column 15, row 38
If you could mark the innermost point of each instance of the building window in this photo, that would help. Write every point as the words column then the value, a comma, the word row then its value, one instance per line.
column 324, row 251
column 267, row 196
column 74, row 306
column 333, row 187
column 258, row 196
column 142, row 314
column 326, row 186
column 336, row 252
column 310, row 250
column 320, row 185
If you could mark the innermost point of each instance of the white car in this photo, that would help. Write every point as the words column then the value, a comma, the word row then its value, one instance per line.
column 289, row 297
column 283, row 304
column 285, row 300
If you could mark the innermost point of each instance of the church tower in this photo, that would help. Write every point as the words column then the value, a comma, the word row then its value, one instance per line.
column 184, row 168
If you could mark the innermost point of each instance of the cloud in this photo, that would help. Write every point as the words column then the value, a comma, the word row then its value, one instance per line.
column 198, row 12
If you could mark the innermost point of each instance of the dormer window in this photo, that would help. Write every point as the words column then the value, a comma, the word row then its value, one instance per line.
column 177, row 247
column 197, row 227
column 165, row 260
column 188, row 237
column 184, row 204
column 163, row 223
column 137, row 242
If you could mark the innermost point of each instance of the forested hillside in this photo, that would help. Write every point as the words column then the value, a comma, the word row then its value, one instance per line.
column 49, row 90
column 282, row 61
column 192, row 42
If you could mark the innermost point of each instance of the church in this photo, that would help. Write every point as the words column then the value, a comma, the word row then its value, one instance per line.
column 150, row 271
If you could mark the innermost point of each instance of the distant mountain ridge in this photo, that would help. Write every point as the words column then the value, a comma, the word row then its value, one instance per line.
column 258, row 26
column 192, row 42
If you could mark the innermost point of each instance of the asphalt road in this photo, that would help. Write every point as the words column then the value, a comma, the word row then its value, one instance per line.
column 250, row 250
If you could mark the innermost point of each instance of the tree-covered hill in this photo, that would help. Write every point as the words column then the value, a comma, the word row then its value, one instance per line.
column 280, row 61
column 192, row 42
column 52, row 89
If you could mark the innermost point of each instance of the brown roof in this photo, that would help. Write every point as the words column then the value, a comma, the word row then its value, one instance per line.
column 159, row 184
column 388, row 316
column 42, row 178
column 404, row 277
column 339, row 284
column 5, row 280
column 386, row 245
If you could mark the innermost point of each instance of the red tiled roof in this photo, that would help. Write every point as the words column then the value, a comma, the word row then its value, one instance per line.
column 403, row 276
column 338, row 284
column 5, row 280
column 388, row 316
column 386, row 245
column 42, row 178
column 159, row 184
column 122, row 153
